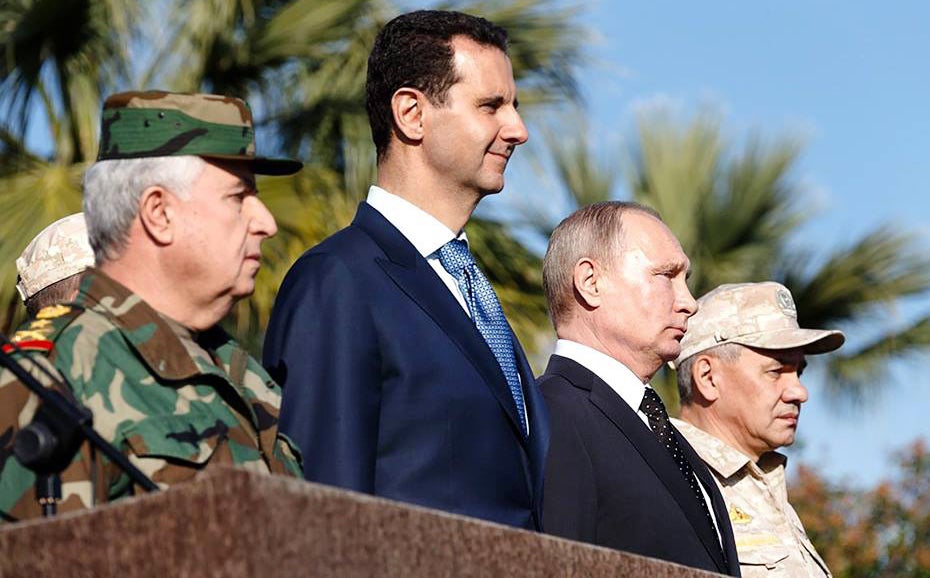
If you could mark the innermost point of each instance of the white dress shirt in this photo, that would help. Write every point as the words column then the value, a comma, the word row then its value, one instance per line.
column 427, row 234
column 625, row 383
column 619, row 377
column 423, row 230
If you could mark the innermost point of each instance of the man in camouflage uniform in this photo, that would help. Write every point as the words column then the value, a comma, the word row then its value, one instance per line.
column 176, row 228
column 741, row 396
column 49, row 269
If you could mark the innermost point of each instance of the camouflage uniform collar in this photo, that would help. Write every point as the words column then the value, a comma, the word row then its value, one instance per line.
column 156, row 338
column 723, row 458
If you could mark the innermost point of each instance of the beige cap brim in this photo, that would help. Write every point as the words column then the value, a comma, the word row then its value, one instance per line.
column 812, row 341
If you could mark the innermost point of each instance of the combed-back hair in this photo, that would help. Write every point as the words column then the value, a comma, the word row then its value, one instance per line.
column 728, row 353
column 595, row 232
column 112, row 190
column 415, row 50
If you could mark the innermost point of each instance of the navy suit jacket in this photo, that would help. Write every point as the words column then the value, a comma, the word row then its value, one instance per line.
column 389, row 388
column 610, row 482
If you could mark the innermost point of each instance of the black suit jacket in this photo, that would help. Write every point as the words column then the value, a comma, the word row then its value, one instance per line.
column 609, row 481
column 390, row 389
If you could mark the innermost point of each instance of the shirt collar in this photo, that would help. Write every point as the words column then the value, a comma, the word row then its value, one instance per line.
column 619, row 377
column 723, row 458
column 167, row 347
column 424, row 231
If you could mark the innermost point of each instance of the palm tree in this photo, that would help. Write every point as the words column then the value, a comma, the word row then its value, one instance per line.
column 735, row 213
column 301, row 64
column 59, row 56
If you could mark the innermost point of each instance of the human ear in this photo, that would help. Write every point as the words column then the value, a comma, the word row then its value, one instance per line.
column 156, row 214
column 585, row 278
column 407, row 108
column 705, row 377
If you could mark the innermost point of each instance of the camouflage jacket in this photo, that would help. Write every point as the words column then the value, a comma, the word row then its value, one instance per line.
column 174, row 403
column 770, row 538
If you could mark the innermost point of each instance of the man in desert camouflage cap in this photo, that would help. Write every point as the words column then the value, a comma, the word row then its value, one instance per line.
column 49, row 269
column 176, row 229
column 738, row 378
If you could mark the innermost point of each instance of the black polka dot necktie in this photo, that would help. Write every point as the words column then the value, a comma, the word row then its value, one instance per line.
column 654, row 409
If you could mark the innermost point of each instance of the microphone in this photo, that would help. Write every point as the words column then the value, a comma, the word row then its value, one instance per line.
column 48, row 444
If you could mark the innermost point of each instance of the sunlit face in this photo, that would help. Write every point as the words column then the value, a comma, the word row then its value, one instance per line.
column 220, row 230
column 469, row 138
column 760, row 398
column 646, row 302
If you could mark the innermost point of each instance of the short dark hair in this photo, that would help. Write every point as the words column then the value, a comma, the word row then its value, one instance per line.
column 415, row 50
column 62, row 291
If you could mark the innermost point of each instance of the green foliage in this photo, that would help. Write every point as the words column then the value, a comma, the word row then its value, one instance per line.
column 732, row 215
column 62, row 53
column 32, row 198
column 857, row 288
column 300, row 64
column 516, row 273
column 735, row 212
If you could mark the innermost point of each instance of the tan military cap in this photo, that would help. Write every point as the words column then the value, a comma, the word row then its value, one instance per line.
column 759, row 315
column 58, row 252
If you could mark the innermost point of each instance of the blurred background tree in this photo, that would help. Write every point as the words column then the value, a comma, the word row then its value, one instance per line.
column 300, row 64
column 736, row 210
column 870, row 533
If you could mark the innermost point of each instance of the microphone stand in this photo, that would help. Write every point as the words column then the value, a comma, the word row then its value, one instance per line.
column 48, row 444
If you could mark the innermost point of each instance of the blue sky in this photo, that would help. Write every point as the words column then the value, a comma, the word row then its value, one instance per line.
column 849, row 80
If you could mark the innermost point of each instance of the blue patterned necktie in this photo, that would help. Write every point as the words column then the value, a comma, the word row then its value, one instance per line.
column 486, row 313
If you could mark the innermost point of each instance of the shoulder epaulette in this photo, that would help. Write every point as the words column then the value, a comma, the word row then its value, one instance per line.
column 39, row 334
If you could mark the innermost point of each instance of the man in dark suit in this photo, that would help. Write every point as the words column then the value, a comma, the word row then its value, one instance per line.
column 618, row 474
column 401, row 375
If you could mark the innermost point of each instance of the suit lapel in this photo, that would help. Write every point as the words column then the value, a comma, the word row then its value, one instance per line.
column 644, row 441
column 414, row 276
column 538, row 416
column 721, row 513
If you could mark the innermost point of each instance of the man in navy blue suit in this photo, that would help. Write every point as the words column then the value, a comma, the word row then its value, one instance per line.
column 618, row 474
column 401, row 375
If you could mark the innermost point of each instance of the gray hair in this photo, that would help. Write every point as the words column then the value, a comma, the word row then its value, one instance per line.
column 595, row 232
column 728, row 353
column 112, row 189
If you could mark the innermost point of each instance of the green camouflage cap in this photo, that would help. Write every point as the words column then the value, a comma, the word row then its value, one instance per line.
column 759, row 315
column 159, row 124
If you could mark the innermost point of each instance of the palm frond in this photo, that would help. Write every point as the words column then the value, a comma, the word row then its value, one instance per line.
column 734, row 215
column 587, row 176
column 516, row 274
column 544, row 47
column 14, row 156
column 66, row 50
column 853, row 374
column 30, row 200
column 853, row 282
column 674, row 169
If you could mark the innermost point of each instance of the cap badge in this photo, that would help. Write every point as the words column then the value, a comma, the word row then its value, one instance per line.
column 786, row 303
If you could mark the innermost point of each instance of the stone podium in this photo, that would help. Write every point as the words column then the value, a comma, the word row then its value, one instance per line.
column 237, row 523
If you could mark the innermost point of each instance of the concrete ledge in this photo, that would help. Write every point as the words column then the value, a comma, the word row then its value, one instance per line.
column 237, row 523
